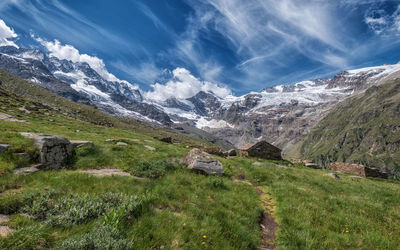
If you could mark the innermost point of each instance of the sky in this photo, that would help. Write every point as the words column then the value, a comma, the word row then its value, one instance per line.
column 232, row 46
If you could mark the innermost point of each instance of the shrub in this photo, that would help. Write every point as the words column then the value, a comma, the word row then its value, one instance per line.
column 39, row 205
column 100, row 237
column 152, row 169
column 78, row 209
column 217, row 183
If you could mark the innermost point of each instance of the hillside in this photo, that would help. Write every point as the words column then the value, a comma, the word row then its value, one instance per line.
column 168, row 206
column 362, row 129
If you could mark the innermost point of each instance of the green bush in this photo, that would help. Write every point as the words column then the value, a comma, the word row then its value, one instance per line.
column 37, row 205
column 100, row 237
column 217, row 183
column 78, row 209
column 153, row 169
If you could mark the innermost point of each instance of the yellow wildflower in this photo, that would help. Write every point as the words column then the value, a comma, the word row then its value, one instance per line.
column 205, row 236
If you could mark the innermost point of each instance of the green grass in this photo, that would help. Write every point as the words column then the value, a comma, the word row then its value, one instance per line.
column 314, row 211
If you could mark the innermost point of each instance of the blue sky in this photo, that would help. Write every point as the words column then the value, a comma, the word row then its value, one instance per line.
column 244, row 45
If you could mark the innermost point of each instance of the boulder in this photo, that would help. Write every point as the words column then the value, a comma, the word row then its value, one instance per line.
column 79, row 144
column 122, row 143
column 55, row 151
column 257, row 163
column 3, row 148
column 203, row 162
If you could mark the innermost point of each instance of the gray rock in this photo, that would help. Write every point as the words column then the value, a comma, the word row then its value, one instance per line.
column 257, row 163
column 280, row 166
column 149, row 147
column 24, row 110
column 55, row 151
column 79, row 144
column 9, row 118
column 3, row 148
column 333, row 175
column 4, row 218
column 112, row 140
column 5, row 231
column 105, row 172
column 120, row 143
column 26, row 171
column 203, row 162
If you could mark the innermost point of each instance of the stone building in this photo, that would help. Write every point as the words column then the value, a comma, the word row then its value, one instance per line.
column 261, row 149
column 357, row 169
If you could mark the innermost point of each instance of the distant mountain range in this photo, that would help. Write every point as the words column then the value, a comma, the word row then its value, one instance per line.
column 282, row 114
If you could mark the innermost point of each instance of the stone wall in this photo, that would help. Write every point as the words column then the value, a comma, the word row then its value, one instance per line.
column 357, row 169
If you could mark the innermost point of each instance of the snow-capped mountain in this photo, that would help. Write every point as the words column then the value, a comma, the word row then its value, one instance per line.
column 281, row 114
column 80, row 83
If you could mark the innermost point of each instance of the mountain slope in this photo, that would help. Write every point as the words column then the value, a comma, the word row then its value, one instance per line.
column 364, row 129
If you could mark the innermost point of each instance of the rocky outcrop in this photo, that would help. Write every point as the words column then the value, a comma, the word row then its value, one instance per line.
column 202, row 162
column 55, row 151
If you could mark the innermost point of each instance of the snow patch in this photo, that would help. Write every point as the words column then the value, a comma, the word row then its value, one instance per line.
column 89, row 90
column 203, row 123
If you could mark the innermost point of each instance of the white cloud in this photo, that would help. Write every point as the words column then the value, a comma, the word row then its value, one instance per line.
column 69, row 52
column 6, row 33
column 184, row 85
column 383, row 23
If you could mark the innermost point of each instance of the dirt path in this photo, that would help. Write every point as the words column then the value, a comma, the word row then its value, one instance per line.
column 268, row 225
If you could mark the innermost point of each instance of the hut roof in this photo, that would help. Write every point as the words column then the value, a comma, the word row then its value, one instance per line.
column 248, row 146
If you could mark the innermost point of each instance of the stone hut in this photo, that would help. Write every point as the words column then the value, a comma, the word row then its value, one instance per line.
column 357, row 169
column 261, row 149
